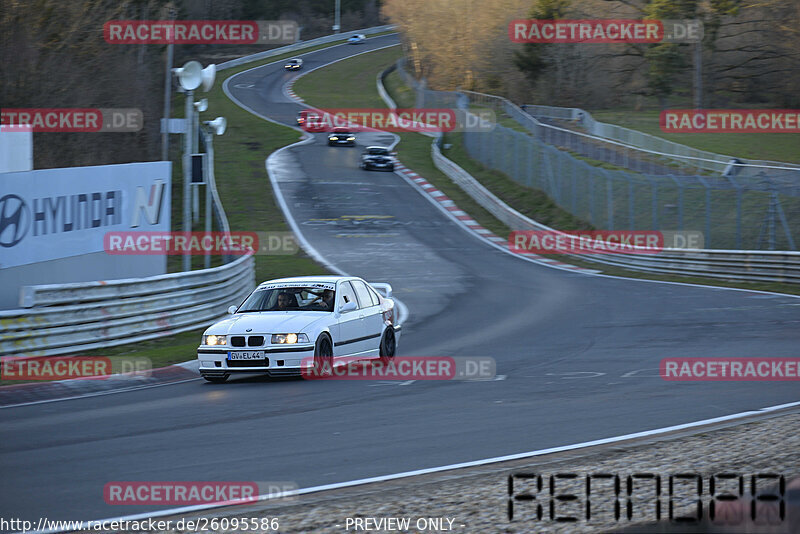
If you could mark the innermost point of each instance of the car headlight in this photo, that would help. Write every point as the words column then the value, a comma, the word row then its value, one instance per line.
column 351, row 138
column 333, row 138
column 215, row 340
column 289, row 339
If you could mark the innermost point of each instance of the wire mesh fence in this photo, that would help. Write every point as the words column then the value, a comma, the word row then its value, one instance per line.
column 621, row 188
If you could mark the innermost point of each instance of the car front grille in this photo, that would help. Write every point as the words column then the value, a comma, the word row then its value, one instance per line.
column 249, row 341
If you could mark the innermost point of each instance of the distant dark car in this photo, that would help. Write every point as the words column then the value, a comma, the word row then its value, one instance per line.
column 293, row 64
column 377, row 158
column 341, row 136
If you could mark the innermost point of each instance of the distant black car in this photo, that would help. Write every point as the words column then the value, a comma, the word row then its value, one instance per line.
column 377, row 157
column 341, row 136
column 293, row 64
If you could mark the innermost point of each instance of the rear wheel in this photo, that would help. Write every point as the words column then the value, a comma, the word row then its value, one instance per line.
column 388, row 344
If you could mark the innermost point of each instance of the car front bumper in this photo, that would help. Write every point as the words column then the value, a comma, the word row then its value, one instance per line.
column 283, row 361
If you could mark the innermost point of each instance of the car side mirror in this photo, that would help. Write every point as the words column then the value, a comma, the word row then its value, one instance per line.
column 232, row 310
column 347, row 307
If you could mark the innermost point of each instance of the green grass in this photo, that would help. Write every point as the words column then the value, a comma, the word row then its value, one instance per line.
column 765, row 146
column 402, row 94
column 349, row 78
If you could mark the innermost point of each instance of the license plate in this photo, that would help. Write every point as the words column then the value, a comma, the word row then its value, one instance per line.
column 246, row 355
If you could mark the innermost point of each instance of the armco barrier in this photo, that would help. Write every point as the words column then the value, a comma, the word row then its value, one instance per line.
column 747, row 265
column 67, row 318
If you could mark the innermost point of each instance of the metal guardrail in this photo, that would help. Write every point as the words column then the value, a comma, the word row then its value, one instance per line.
column 301, row 45
column 746, row 265
column 65, row 318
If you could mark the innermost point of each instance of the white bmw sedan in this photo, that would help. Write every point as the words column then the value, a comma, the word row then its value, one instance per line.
column 292, row 321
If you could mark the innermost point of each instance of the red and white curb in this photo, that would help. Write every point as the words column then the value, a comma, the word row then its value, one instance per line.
column 484, row 233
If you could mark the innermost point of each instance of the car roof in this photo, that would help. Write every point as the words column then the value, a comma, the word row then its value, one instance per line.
column 328, row 279
column 376, row 146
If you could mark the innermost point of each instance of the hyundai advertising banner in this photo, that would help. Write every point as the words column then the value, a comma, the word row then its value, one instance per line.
column 59, row 213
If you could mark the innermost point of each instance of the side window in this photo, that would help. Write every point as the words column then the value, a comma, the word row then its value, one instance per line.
column 375, row 299
column 364, row 296
column 346, row 293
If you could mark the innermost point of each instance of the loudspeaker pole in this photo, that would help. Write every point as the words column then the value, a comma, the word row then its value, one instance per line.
column 187, row 174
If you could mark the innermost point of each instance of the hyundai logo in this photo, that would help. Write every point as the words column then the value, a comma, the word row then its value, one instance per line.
column 15, row 218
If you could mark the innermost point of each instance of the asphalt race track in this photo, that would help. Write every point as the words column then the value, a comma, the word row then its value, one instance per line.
column 579, row 354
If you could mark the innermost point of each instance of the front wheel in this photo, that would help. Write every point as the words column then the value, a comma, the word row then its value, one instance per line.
column 323, row 356
column 388, row 344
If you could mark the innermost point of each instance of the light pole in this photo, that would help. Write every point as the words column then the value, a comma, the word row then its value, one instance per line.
column 191, row 76
column 337, row 19
column 217, row 126
column 199, row 107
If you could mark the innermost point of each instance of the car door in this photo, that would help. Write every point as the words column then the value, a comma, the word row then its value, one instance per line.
column 370, row 312
column 351, row 330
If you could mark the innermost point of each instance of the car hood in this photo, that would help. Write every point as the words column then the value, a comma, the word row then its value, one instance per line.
column 266, row 323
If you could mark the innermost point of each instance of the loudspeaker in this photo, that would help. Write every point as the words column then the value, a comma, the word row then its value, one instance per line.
column 208, row 75
column 219, row 125
column 190, row 76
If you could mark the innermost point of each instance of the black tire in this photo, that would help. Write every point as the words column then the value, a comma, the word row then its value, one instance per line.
column 216, row 379
column 323, row 355
column 391, row 168
column 388, row 344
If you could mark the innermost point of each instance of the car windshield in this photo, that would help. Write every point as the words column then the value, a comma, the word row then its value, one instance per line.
column 283, row 297
column 377, row 152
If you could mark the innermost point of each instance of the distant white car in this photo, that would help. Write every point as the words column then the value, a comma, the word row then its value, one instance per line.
column 284, row 321
column 293, row 64
column 357, row 38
